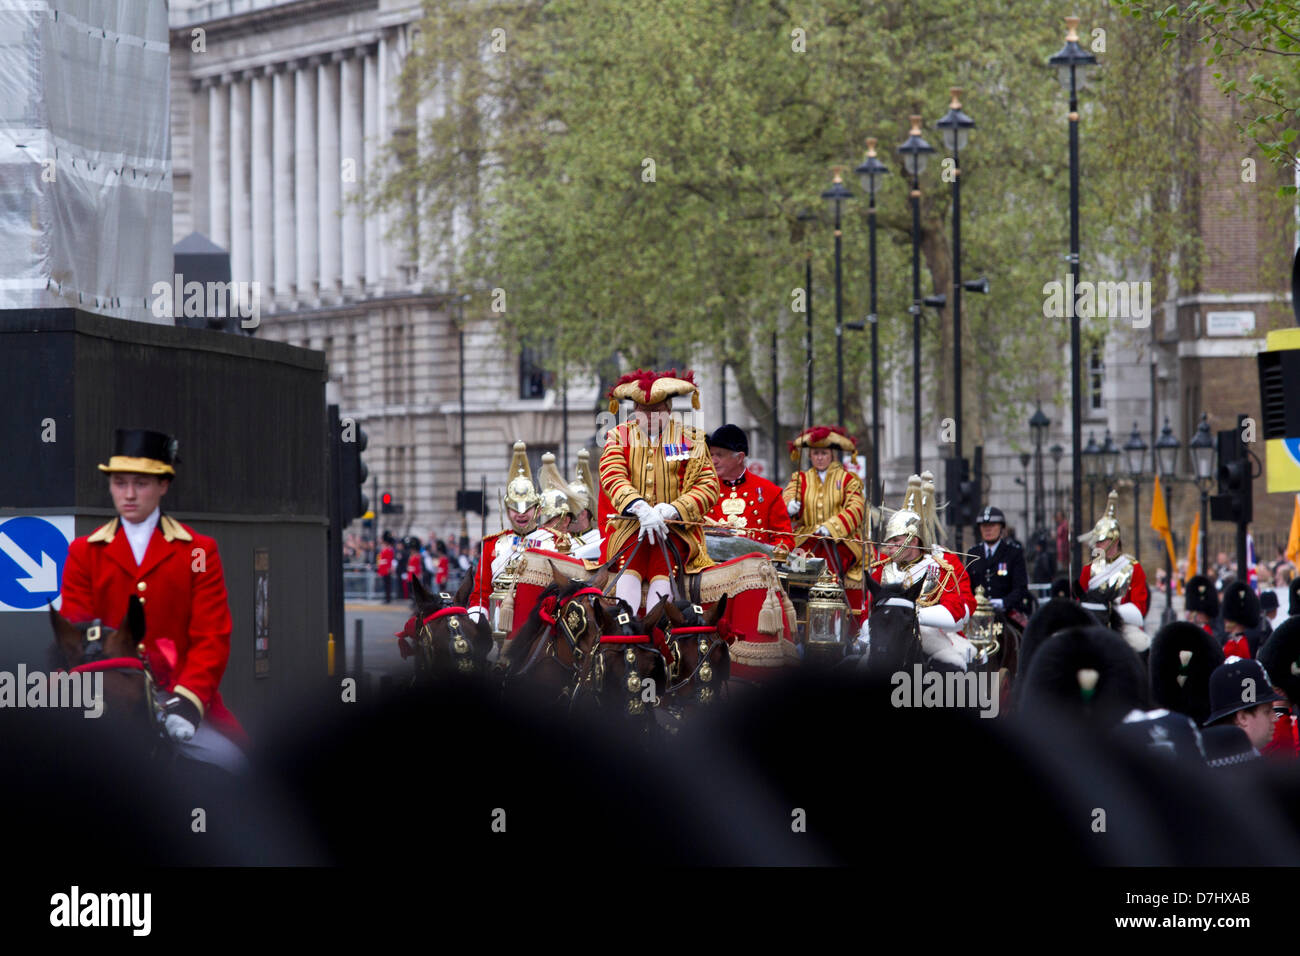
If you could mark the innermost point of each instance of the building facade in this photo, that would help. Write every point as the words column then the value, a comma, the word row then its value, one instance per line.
column 279, row 111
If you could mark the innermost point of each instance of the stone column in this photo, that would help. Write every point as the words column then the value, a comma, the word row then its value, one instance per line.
column 327, row 176
column 200, row 158
column 352, row 125
column 370, row 153
column 260, row 156
column 282, row 132
column 241, row 228
column 305, row 197
column 219, row 152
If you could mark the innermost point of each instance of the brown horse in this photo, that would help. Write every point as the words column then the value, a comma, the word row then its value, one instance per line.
column 698, row 640
column 554, row 644
column 115, row 656
column 627, row 672
column 447, row 641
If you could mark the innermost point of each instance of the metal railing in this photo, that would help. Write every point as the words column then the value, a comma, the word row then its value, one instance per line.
column 362, row 583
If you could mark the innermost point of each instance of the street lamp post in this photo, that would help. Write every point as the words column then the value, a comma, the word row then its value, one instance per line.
column 1071, row 64
column 1167, row 464
column 834, row 196
column 1203, row 452
column 1038, row 425
column 956, row 127
column 808, row 216
column 1135, row 452
column 1091, row 460
column 1024, row 480
column 916, row 154
column 1109, row 461
column 1056, row 451
column 869, row 174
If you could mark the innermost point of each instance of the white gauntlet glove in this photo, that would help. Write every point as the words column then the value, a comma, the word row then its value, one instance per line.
column 178, row 728
column 792, row 508
column 668, row 512
column 652, row 522
column 1129, row 613
column 824, row 531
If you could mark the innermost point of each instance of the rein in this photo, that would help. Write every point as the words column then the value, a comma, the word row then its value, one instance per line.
column 706, row 650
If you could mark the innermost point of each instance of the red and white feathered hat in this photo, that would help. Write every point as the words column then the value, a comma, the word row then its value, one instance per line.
column 651, row 388
column 822, row 436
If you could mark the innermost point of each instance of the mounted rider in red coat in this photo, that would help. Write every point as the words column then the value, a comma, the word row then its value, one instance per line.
column 176, row 573
column 1118, row 574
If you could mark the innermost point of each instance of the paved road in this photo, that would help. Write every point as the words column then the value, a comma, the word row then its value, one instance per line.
column 380, row 657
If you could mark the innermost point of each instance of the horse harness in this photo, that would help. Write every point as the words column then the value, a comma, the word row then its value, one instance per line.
column 569, row 617
column 92, row 659
column 460, row 648
column 703, row 670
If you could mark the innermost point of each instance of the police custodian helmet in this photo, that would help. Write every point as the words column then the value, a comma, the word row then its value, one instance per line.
column 991, row 515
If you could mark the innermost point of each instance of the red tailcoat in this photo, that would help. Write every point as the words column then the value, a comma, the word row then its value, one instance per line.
column 759, row 511
column 1137, row 587
column 187, row 606
column 483, row 577
column 385, row 564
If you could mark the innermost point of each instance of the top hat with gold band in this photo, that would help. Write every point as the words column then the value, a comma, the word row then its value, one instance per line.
column 650, row 388
column 822, row 436
column 142, row 452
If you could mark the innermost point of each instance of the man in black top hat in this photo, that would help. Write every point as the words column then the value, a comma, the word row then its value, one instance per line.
column 747, row 504
column 999, row 565
column 1242, row 695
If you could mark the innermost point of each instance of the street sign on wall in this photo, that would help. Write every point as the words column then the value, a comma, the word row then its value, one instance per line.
column 32, row 552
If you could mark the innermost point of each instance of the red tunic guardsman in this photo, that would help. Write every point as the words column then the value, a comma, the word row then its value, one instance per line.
column 748, row 504
column 656, row 485
column 1117, row 573
column 499, row 549
column 910, row 552
column 176, row 572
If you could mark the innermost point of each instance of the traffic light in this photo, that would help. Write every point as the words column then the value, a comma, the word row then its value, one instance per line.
column 1234, row 502
column 963, row 498
column 352, row 470
column 471, row 501
column 388, row 506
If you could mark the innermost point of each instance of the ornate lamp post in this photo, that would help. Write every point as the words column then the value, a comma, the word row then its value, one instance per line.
column 1072, row 64
column 1092, row 463
column 1109, row 461
column 1203, row 453
column 1135, row 453
column 869, row 174
column 1056, row 451
column 834, row 196
column 915, row 152
column 1025, row 458
column 1038, row 425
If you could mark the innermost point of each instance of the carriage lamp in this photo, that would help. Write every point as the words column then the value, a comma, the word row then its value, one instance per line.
column 828, row 611
column 502, row 588
column 984, row 630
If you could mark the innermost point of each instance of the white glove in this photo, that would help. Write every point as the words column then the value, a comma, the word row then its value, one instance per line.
column 652, row 522
column 936, row 615
column 864, row 635
column 477, row 613
column 792, row 508
column 997, row 603
column 178, row 728
column 668, row 512
column 1130, row 614
column 823, row 531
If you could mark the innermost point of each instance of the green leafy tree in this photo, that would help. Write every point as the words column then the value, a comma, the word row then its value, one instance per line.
column 632, row 172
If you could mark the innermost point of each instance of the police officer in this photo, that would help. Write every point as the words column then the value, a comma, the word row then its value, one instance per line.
column 999, row 564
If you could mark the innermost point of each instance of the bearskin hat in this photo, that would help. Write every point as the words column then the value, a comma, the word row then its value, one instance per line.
column 1280, row 656
column 1088, row 672
column 1294, row 590
column 1201, row 596
column 1056, row 615
column 1240, row 605
column 1182, row 659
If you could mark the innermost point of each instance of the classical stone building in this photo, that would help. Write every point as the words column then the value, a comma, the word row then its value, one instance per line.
column 279, row 108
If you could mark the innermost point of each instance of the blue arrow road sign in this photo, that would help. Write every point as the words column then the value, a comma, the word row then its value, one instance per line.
column 32, row 553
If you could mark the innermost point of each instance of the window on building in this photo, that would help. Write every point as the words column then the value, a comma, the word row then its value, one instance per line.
column 534, row 380
column 1096, row 378
column 535, row 453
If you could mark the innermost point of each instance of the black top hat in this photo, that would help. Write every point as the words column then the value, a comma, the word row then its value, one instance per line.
column 1226, row 746
column 142, row 452
column 730, row 438
column 1088, row 671
column 1182, row 659
column 1294, row 589
column 1201, row 596
column 1240, row 605
column 1238, row 685
column 1268, row 601
column 991, row 515
column 1280, row 656
column 1163, row 732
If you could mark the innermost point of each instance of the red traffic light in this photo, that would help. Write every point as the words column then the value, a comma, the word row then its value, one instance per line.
column 388, row 498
